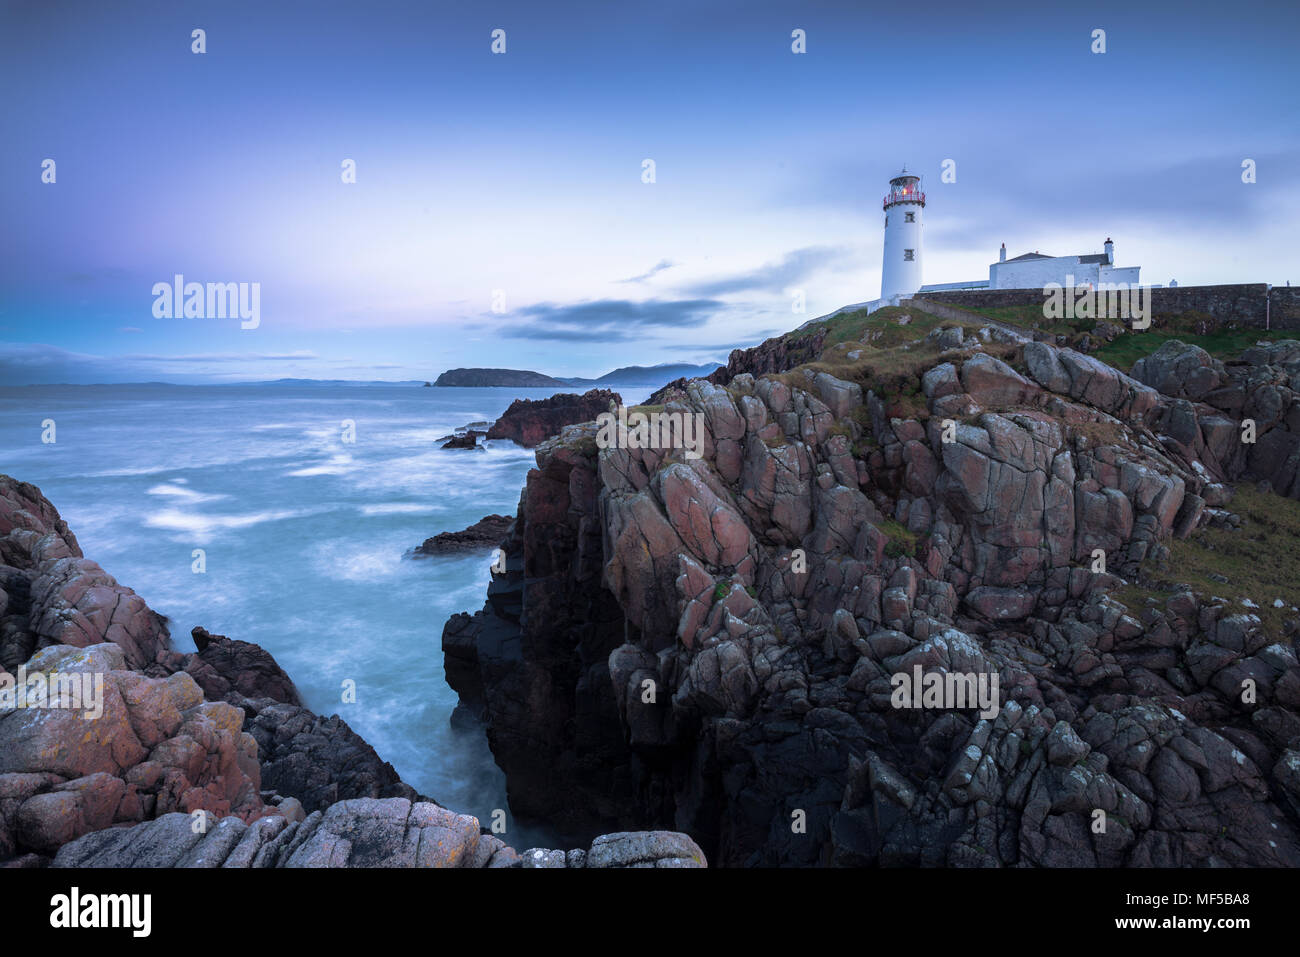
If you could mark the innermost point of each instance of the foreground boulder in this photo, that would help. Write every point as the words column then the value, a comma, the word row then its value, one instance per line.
column 357, row 833
column 1180, row 370
column 155, row 746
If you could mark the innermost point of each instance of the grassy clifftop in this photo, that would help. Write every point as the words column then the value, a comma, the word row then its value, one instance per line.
column 1126, row 348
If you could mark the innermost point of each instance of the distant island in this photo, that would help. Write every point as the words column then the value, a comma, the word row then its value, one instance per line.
column 627, row 375
column 497, row 377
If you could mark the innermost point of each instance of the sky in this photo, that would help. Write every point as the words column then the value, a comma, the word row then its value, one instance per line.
column 500, row 215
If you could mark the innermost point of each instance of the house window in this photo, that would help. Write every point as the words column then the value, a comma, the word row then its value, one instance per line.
column 908, row 255
column 909, row 217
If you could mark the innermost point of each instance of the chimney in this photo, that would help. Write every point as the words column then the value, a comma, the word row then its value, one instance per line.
column 1002, row 255
column 1110, row 251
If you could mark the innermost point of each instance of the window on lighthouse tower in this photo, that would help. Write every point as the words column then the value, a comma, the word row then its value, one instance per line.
column 907, row 255
column 909, row 217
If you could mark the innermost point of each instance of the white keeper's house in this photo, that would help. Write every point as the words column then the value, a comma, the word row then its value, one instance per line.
column 1035, row 270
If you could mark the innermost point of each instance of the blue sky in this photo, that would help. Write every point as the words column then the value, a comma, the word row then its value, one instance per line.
column 522, row 173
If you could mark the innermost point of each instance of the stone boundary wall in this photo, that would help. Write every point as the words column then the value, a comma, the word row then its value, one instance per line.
column 1284, row 307
column 1251, row 304
column 947, row 310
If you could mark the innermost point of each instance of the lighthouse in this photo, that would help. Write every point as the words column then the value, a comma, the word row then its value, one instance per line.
column 904, row 218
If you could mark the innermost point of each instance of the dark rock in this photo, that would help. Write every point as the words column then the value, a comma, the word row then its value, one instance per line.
column 542, row 682
column 223, row 666
column 532, row 421
column 464, row 440
column 486, row 533
column 315, row 759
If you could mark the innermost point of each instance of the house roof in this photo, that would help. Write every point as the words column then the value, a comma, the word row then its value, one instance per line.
column 1098, row 258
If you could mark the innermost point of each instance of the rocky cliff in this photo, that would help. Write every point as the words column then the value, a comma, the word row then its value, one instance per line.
column 713, row 645
column 119, row 777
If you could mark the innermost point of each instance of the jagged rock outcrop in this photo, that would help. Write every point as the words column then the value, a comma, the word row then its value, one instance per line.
column 53, row 595
column 108, row 727
column 486, row 533
column 741, row 618
column 531, row 421
column 772, row 355
column 1215, row 399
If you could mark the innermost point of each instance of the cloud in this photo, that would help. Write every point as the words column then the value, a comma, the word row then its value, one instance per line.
column 654, row 270
column 39, row 363
column 793, row 268
column 20, row 353
column 29, row 364
column 225, row 357
column 744, row 342
column 130, row 329
column 608, row 320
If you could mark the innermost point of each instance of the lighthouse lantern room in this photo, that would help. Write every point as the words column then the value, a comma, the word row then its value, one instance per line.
column 904, row 206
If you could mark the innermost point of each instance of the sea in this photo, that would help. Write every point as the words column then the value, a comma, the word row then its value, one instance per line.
column 305, row 500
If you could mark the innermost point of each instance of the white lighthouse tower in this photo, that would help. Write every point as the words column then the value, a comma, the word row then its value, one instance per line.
column 904, row 220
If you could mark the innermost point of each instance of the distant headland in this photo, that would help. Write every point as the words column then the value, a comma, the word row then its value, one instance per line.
column 523, row 378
